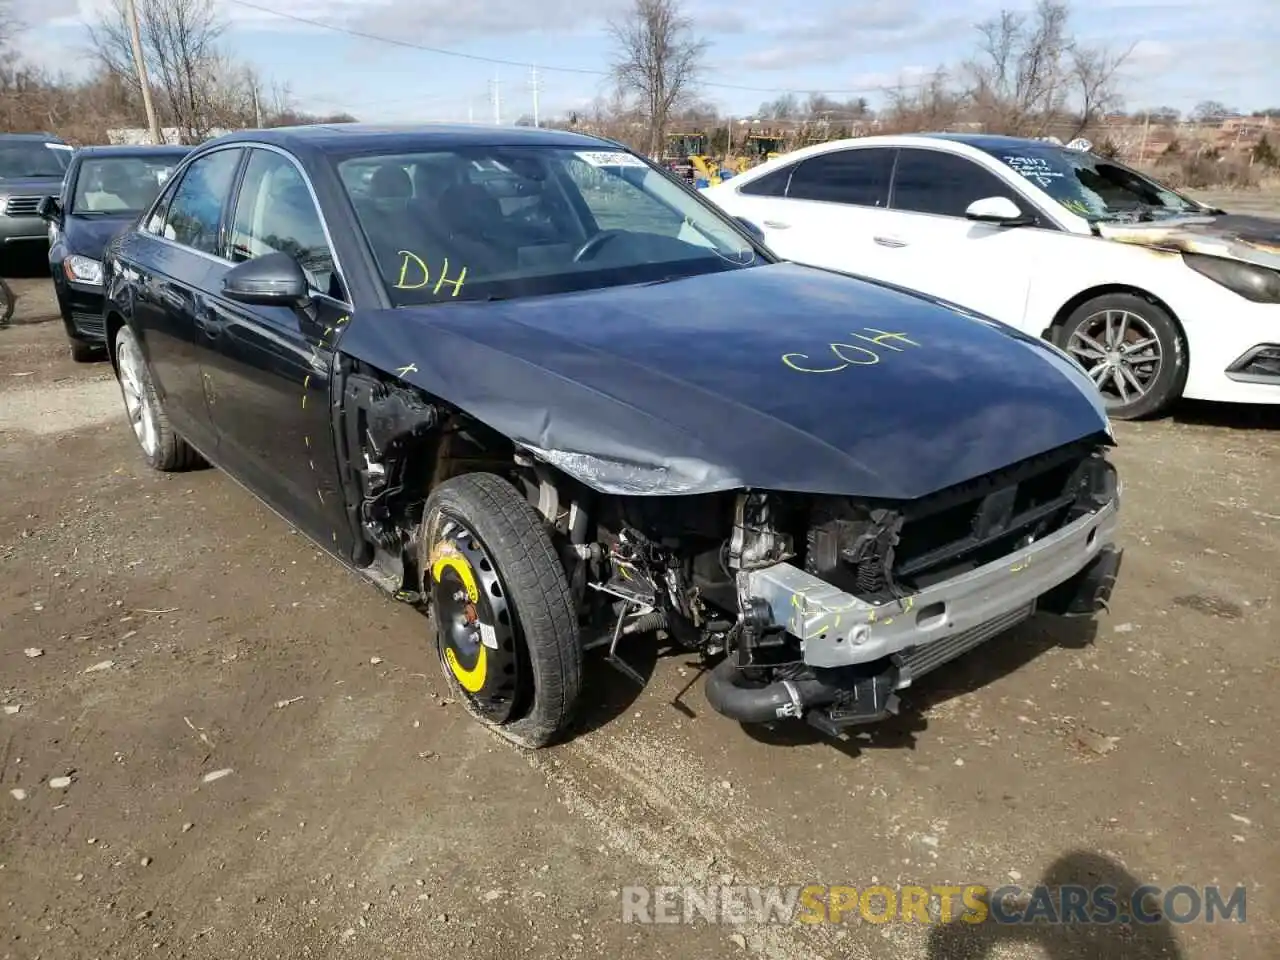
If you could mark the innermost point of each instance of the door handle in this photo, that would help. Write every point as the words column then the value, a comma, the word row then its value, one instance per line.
column 777, row 224
column 890, row 242
column 207, row 318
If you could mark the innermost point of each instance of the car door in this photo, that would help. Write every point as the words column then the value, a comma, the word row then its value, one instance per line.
column 172, row 253
column 835, row 206
column 267, row 368
column 936, row 249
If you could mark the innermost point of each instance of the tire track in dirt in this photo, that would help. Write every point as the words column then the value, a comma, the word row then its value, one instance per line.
column 651, row 803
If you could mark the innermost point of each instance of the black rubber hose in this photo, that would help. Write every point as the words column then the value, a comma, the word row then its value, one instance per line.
column 760, row 704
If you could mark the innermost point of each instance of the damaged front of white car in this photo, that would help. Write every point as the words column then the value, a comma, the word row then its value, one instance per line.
column 1233, row 278
column 1202, row 319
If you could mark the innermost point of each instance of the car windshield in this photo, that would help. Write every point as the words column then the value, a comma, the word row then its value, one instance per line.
column 31, row 158
column 494, row 223
column 1092, row 186
column 120, row 184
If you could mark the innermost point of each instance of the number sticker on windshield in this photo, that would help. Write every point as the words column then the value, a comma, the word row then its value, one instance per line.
column 610, row 158
column 1035, row 169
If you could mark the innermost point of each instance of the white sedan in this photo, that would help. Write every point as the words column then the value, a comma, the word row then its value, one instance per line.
column 1156, row 295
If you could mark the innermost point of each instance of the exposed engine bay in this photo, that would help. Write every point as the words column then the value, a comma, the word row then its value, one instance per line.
column 809, row 606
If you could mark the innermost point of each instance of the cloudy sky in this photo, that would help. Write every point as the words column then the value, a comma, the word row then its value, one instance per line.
column 1186, row 50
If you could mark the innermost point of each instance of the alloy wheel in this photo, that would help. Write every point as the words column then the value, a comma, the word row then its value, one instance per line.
column 137, row 402
column 1120, row 351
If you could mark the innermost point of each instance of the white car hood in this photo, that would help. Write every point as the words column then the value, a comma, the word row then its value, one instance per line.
column 1234, row 236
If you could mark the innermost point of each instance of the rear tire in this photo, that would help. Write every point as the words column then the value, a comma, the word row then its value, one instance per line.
column 519, row 673
column 161, row 446
column 1146, row 353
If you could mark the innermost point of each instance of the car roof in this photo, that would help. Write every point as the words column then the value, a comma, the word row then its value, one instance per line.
column 41, row 137
column 966, row 144
column 357, row 137
column 136, row 150
column 989, row 141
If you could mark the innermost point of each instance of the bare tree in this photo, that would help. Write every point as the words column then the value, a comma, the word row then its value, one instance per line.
column 1093, row 72
column 1166, row 116
column 1017, row 76
column 1030, row 74
column 10, row 26
column 783, row 107
column 1210, row 111
column 180, row 47
column 657, row 62
column 932, row 104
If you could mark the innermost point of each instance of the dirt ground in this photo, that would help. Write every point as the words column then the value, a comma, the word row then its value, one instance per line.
column 184, row 630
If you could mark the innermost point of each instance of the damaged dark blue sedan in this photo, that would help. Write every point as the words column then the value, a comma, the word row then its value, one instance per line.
column 527, row 381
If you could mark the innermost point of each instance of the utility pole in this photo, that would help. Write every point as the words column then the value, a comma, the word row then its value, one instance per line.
column 534, row 84
column 497, row 98
column 257, row 103
column 140, row 67
column 1146, row 130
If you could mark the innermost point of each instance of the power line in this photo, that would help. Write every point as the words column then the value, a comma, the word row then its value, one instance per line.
column 500, row 61
column 583, row 71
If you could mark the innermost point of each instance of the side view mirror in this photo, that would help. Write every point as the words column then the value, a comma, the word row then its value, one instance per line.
column 997, row 210
column 756, row 233
column 49, row 209
column 275, row 279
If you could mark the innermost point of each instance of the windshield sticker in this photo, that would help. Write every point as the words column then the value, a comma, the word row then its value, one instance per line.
column 61, row 146
column 1078, row 207
column 1035, row 169
column 610, row 158
column 413, row 260
column 852, row 354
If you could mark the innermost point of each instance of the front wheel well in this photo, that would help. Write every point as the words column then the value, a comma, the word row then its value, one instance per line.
column 1053, row 332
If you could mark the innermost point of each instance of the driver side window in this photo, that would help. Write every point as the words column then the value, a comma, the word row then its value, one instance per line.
column 196, row 208
column 275, row 213
column 943, row 184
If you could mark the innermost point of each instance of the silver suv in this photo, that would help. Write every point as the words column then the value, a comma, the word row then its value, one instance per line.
column 32, row 166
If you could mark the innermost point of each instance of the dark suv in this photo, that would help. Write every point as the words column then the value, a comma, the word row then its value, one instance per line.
column 32, row 166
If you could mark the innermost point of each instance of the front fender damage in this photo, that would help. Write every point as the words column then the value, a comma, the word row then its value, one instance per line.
column 637, row 476
column 607, row 446
column 823, row 605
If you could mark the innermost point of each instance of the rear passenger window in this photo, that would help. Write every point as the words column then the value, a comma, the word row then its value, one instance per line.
column 859, row 176
column 771, row 184
column 929, row 181
column 196, row 208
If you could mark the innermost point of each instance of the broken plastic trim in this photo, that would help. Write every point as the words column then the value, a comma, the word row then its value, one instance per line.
column 631, row 478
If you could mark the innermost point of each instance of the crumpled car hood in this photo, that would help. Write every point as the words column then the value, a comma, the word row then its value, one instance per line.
column 776, row 377
column 1235, row 236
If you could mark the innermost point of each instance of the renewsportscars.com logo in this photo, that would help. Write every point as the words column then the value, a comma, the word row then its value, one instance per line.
column 969, row 903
